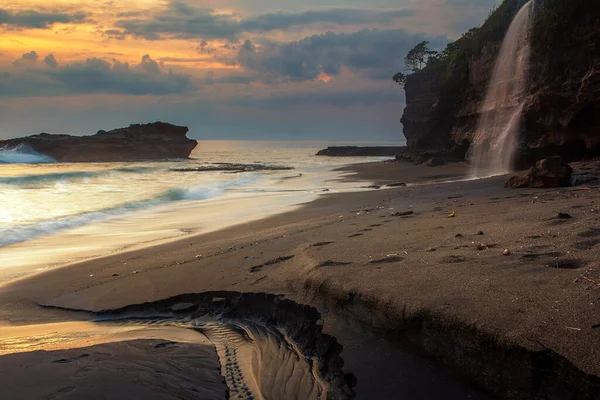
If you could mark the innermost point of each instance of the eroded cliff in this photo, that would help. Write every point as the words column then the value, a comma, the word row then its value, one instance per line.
column 562, row 108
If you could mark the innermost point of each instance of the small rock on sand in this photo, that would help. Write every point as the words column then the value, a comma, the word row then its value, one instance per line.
column 396, row 184
column 402, row 214
column 564, row 216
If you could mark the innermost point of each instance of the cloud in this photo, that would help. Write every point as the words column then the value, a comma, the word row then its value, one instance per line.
column 341, row 16
column 26, row 59
column 369, row 96
column 94, row 76
column 21, row 19
column 376, row 54
column 149, row 66
column 183, row 21
column 51, row 61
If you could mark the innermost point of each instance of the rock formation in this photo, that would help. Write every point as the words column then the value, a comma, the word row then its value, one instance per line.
column 547, row 173
column 561, row 114
column 356, row 151
column 154, row 141
column 235, row 168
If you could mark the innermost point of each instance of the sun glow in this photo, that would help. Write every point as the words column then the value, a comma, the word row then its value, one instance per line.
column 77, row 41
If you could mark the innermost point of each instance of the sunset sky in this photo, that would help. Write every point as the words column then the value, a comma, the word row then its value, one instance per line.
column 228, row 69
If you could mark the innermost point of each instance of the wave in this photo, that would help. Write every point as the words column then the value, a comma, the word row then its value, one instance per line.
column 34, row 179
column 19, row 233
column 23, row 154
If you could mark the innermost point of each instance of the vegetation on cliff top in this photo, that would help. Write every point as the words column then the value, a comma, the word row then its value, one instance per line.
column 453, row 61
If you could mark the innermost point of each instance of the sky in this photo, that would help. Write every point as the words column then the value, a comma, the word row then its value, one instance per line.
column 228, row 69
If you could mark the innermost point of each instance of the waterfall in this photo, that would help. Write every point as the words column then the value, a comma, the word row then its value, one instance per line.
column 496, row 139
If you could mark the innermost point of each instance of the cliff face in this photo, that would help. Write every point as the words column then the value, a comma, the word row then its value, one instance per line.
column 154, row 141
column 562, row 111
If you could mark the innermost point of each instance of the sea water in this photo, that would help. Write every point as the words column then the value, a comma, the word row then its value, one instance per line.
column 55, row 213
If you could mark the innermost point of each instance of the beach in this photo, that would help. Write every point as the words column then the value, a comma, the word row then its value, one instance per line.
column 421, row 265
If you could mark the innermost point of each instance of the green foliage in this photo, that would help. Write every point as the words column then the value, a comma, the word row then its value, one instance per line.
column 417, row 57
column 399, row 78
column 454, row 59
column 457, row 54
column 451, row 66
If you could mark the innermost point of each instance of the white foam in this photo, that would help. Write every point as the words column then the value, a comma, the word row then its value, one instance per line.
column 17, row 233
column 23, row 154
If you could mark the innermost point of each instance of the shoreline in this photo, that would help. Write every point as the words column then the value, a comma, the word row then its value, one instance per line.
column 188, row 220
column 413, row 277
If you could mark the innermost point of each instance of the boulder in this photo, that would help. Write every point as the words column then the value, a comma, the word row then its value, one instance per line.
column 434, row 162
column 547, row 173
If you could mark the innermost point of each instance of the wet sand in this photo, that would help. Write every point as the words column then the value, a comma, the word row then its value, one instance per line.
column 392, row 262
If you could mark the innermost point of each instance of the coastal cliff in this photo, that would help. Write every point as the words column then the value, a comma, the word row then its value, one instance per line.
column 155, row 141
column 561, row 115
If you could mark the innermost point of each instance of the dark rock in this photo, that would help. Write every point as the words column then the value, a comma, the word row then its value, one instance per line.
column 434, row 162
column 396, row 184
column 404, row 158
column 156, row 141
column 387, row 260
column 355, row 151
column 547, row 173
column 403, row 214
column 279, row 260
column 233, row 167
column 458, row 235
column 480, row 233
column 564, row 216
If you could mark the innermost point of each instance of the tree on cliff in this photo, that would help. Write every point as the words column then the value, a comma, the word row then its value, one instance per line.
column 399, row 78
column 417, row 58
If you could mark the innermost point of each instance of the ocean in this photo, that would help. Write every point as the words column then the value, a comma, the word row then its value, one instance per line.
column 57, row 213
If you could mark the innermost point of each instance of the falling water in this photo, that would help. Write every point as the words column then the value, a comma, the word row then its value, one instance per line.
column 496, row 139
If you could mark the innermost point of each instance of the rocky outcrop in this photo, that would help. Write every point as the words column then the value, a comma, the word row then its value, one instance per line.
column 271, row 326
column 156, row 141
column 561, row 115
column 547, row 173
column 235, row 168
column 356, row 151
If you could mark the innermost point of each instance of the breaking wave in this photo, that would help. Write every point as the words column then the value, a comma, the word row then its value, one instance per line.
column 18, row 233
column 36, row 179
column 23, row 154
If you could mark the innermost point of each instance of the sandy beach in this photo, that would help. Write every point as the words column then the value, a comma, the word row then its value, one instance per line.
column 421, row 265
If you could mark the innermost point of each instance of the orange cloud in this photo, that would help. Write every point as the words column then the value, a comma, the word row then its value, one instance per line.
column 69, row 42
